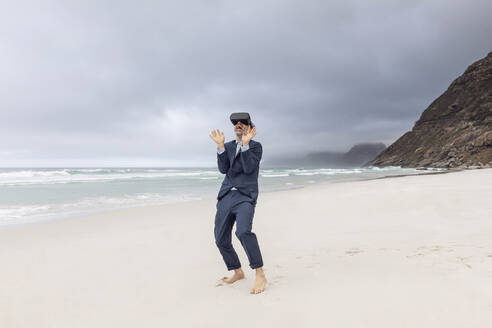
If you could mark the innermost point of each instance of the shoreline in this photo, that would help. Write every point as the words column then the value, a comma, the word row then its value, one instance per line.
column 49, row 219
column 108, row 211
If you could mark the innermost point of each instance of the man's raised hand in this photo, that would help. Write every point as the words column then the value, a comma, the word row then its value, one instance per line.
column 218, row 137
column 248, row 135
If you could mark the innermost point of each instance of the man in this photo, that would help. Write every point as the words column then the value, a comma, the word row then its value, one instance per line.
column 239, row 160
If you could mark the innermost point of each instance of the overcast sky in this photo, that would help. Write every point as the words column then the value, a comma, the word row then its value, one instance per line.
column 143, row 83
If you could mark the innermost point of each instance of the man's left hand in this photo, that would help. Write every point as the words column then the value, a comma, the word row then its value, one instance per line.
column 248, row 135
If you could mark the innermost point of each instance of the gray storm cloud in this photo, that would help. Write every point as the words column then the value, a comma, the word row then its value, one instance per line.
column 127, row 83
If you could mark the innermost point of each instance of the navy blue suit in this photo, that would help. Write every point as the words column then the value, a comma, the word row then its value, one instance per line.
column 236, row 201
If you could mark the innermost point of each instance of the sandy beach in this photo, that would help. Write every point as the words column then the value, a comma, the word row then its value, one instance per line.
column 413, row 251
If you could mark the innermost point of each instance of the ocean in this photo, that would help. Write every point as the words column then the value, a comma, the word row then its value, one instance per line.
column 29, row 195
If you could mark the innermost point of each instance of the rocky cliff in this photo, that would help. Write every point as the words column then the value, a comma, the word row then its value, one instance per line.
column 454, row 131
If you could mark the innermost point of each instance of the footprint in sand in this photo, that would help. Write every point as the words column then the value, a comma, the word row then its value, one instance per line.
column 312, row 265
column 353, row 251
column 424, row 250
column 276, row 279
column 435, row 252
column 462, row 259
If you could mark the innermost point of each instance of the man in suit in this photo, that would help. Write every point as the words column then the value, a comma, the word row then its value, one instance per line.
column 239, row 160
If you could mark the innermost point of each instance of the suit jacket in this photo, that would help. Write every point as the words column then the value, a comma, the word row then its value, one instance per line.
column 240, row 171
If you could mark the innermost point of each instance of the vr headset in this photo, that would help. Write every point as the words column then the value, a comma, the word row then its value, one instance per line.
column 241, row 117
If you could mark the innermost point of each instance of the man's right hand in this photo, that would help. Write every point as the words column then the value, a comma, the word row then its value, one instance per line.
column 218, row 137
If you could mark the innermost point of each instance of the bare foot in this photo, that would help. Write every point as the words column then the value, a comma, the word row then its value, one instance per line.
column 238, row 274
column 260, row 282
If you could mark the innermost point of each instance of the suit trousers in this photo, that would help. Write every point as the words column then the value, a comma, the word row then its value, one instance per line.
column 236, row 207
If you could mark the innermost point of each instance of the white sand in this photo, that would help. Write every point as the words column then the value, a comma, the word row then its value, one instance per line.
column 411, row 251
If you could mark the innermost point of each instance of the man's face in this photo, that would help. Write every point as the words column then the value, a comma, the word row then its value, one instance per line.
column 239, row 128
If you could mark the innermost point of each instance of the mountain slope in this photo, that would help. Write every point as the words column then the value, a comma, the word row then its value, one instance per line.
column 454, row 131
